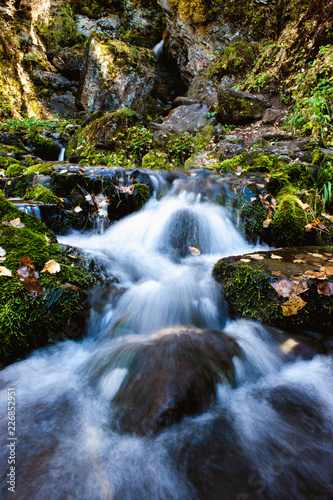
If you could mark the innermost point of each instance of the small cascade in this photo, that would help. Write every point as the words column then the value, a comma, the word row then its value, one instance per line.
column 28, row 208
column 158, row 49
column 61, row 156
column 168, row 397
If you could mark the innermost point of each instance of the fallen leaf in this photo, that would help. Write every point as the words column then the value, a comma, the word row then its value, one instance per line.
column 328, row 216
column 26, row 269
column 253, row 198
column 63, row 171
column 51, row 267
column 72, row 287
column 2, row 252
column 304, row 206
column 293, row 306
column 88, row 197
column 14, row 223
column 194, row 251
column 256, row 256
column 288, row 346
column 245, row 260
column 299, row 286
column 278, row 274
column 327, row 269
column 283, row 287
column 317, row 255
column 315, row 275
column 72, row 256
column 77, row 209
column 299, row 261
column 266, row 223
column 325, row 288
column 48, row 241
column 5, row 272
column 276, row 257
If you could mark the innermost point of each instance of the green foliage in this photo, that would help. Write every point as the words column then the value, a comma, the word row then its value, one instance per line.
column 28, row 126
column 41, row 193
column 236, row 59
column 288, row 224
column 14, row 170
column 181, row 147
column 139, row 140
column 140, row 195
column 156, row 159
column 196, row 11
column 252, row 216
column 61, row 30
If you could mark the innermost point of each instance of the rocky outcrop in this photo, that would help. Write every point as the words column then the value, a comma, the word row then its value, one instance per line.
column 184, row 119
column 114, row 74
column 238, row 108
column 194, row 46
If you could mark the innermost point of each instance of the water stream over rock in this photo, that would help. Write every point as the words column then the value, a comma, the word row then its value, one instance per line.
column 166, row 397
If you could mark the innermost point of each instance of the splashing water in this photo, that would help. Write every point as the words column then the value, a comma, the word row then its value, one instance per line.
column 265, row 435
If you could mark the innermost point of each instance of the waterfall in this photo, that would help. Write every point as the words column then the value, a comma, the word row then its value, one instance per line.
column 158, row 49
column 167, row 397
column 61, row 156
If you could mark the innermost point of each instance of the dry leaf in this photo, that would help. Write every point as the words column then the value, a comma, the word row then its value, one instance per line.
column 256, row 256
column 325, row 288
column 63, row 171
column 328, row 216
column 327, row 269
column 283, row 287
column 77, row 209
column 299, row 261
column 51, row 267
column 2, row 252
column 5, row 272
column 14, row 223
column 266, row 222
column 316, row 275
column 194, row 251
column 26, row 269
column 245, row 260
column 293, row 306
column 72, row 256
column 304, row 206
column 72, row 287
column 288, row 346
column 88, row 197
column 253, row 198
column 317, row 255
column 278, row 274
column 276, row 257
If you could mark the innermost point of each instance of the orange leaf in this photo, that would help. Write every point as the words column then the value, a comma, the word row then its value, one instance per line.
column 293, row 306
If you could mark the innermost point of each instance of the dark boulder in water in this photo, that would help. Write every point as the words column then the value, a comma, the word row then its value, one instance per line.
column 169, row 375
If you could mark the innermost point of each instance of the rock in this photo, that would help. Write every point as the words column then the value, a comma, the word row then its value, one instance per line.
column 204, row 90
column 288, row 150
column 63, row 105
column 193, row 46
column 114, row 74
column 45, row 148
column 51, row 80
column 68, row 61
column 108, row 25
column 271, row 115
column 170, row 374
column 238, row 108
column 186, row 119
column 291, row 288
column 124, row 200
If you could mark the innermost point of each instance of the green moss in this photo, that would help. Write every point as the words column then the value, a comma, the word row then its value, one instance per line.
column 156, row 159
column 236, row 59
column 288, row 224
column 44, row 147
column 39, row 168
column 14, row 170
column 41, row 193
column 7, row 161
column 140, row 195
column 247, row 290
column 252, row 216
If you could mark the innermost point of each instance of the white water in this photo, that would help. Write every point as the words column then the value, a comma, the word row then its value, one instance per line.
column 61, row 156
column 268, row 437
column 158, row 49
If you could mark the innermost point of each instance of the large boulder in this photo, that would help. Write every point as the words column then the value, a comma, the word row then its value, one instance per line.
column 290, row 288
column 238, row 108
column 114, row 74
column 168, row 375
column 185, row 119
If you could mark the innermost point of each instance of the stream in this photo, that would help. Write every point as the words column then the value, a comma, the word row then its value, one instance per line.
column 111, row 417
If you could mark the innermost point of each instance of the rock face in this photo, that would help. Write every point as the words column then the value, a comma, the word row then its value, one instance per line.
column 238, row 107
column 114, row 74
column 168, row 375
column 290, row 288
column 185, row 119
column 193, row 46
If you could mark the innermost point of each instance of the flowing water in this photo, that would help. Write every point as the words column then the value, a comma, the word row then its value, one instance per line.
column 265, row 434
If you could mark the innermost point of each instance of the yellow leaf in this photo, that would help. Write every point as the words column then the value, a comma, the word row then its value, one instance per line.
column 304, row 206
column 256, row 256
column 51, row 267
column 5, row 272
column 317, row 255
column 277, row 257
column 299, row 261
column 48, row 241
column 293, row 306
column 194, row 251
column 266, row 223
column 245, row 260
column 328, row 216
column 77, row 209
column 288, row 346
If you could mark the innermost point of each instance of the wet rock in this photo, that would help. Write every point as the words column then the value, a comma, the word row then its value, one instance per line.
column 114, row 74
column 108, row 25
column 204, row 90
column 45, row 148
column 239, row 108
column 170, row 374
column 290, row 288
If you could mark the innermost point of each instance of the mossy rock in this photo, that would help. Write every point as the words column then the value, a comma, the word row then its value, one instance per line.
column 156, row 159
column 14, row 170
column 239, row 108
column 252, row 217
column 289, row 288
column 28, row 320
column 41, row 193
column 45, row 148
column 288, row 224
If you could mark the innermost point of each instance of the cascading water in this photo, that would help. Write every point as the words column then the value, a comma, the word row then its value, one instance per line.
column 135, row 411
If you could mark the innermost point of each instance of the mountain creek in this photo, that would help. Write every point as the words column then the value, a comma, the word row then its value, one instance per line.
column 166, row 258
